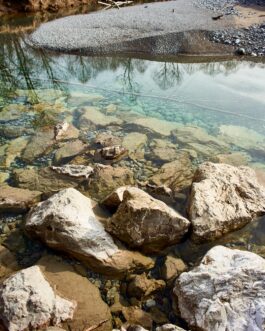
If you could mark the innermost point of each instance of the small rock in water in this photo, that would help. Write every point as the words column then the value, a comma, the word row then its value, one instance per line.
column 113, row 152
column 60, row 129
column 74, row 170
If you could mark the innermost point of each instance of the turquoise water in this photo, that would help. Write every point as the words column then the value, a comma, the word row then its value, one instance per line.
column 225, row 100
column 203, row 110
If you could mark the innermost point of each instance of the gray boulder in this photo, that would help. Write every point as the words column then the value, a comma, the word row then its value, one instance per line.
column 225, row 292
column 223, row 198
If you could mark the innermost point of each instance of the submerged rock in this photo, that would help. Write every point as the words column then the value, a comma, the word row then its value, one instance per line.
column 15, row 199
column 242, row 137
column 107, row 140
column 156, row 125
column 197, row 139
column 28, row 300
column 223, row 198
column 77, row 171
column 44, row 139
column 66, row 222
column 177, row 175
column 45, row 179
column 68, row 150
column 12, row 150
column 106, row 178
column 236, row 159
column 64, row 278
column 134, row 142
column 146, row 223
column 164, row 150
column 225, row 292
column 93, row 116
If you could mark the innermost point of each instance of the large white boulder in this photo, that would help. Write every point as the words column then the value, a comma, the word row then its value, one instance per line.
column 144, row 222
column 226, row 292
column 66, row 221
column 28, row 301
column 223, row 198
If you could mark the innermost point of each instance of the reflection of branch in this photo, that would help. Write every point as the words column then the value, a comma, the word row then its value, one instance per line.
column 112, row 4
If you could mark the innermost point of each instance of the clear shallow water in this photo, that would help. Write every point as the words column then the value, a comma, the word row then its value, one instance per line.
column 224, row 99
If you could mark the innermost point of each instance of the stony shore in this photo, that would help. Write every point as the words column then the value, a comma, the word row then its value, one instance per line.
column 156, row 29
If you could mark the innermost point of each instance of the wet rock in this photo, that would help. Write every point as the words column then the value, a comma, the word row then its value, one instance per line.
column 164, row 150
column 107, row 140
column 15, row 199
column 225, row 292
column 4, row 176
column 223, row 198
column 197, row 139
column 12, row 151
column 28, row 300
column 159, row 126
column 236, row 159
column 44, row 179
column 93, row 116
column 242, row 137
column 172, row 268
column 12, row 131
column 12, row 112
column 66, row 222
column 158, row 316
column 54, row 328
column 177, row 175
column 113, row 152
column 146, row 223
column 141, row 287
column 8, row 263
column 169, row 327
column 68, row 151
column 106, row 178
column 62, row 129
column 77, row 99
column 43, row 140
column 62, row 276
column 76, row 171
column 135, row 315
column 134, row 142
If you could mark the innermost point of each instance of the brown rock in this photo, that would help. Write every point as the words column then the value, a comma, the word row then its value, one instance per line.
column 93, row 116
column 235, row 159
column 68, row 151
column 106, row 178
column 146, row 223
column 141, row 287
column 91, row 309
column 16, row 199
column 8, row 263
column 107, row 140
column 164, row 150
column 134, row 142
column 172, row 268
column 177, row 175
column 135, row 315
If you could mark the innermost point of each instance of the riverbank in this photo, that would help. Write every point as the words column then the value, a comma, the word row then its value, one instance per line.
column 168, row 28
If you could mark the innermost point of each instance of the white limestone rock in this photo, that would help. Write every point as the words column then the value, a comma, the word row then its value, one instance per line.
column 66, row 221
column 226, row 292
column 28, row 300
column 223, row 198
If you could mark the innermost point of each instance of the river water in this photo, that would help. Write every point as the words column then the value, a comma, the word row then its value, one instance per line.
column 218, row 103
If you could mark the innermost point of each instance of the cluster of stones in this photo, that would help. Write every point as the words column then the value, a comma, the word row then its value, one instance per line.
column 219, row 294
column 114, row 212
